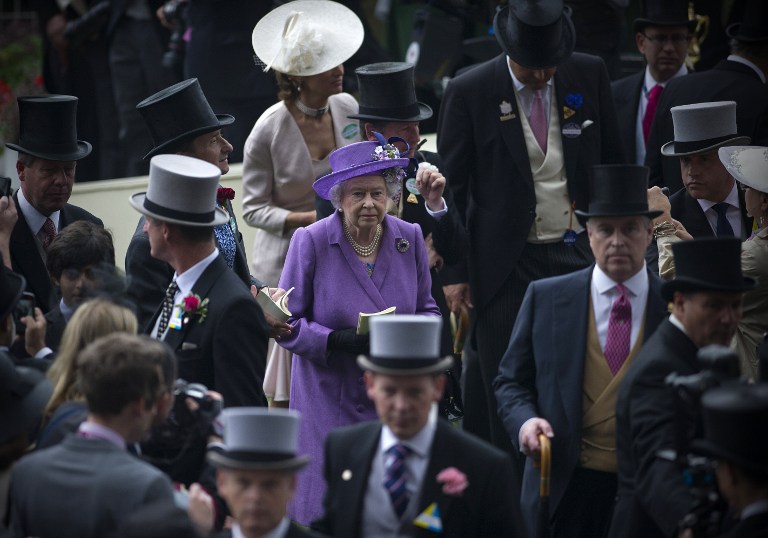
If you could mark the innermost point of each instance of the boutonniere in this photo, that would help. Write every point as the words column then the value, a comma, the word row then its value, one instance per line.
column 574, row 100
column 192, row 306
column 402, row 244
column 454, row 481
column 223, row 194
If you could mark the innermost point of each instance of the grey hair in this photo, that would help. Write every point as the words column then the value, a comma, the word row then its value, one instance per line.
column 390, row 180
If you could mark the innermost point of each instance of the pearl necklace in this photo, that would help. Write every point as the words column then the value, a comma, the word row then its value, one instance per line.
column 361, row 250
column 309, row 111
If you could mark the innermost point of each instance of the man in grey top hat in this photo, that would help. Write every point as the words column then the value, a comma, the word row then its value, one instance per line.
column 518, row 135
column 410, row 473
column 706, row 309
column 256, row 472
column 565, row 387
column 207, row 315
column 48, row 153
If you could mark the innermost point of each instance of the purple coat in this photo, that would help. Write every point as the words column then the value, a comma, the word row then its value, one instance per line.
column 332, row 288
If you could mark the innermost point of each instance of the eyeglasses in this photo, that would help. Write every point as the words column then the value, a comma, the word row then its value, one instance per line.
column 675, row 39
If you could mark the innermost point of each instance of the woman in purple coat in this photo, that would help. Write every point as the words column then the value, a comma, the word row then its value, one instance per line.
column 357, row 260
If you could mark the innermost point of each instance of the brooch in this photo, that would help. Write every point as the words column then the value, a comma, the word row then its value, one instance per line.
column 402, row 244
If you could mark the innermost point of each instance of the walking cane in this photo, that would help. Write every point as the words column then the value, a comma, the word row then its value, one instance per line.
column 545, row 464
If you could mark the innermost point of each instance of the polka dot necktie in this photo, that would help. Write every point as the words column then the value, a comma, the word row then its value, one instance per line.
column 165, row 313
column 395, row 478
column 619, row 331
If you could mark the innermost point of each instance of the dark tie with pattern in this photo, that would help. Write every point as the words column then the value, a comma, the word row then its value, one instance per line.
column 619, row 331
column 165, row 313
column 724, row 228
column 395, row 478
column 49, row 232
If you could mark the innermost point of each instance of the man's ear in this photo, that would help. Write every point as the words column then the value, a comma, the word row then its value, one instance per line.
column 440, row 382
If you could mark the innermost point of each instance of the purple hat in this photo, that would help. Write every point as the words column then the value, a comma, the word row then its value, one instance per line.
column 361, row 159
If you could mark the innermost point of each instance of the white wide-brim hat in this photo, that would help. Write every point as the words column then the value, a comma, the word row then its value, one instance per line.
column 747, row 164
column 703, row 127
column 307, row 37
column 181, row 190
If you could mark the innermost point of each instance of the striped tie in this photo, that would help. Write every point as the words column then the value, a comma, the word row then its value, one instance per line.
column 165, row 313
column 395, row 478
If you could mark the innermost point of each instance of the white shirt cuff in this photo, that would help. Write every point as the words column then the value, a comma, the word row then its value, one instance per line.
column 437, row 215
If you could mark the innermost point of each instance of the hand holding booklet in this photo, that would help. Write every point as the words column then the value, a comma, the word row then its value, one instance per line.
column 362, row 318
column 276, row 308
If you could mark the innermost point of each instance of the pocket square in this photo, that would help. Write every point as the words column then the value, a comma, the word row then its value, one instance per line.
column 186, row 346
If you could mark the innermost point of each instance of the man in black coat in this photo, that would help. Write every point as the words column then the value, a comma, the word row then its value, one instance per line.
column 48, row 153
column 706, row 297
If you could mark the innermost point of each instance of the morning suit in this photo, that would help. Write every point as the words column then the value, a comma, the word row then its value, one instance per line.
column 485, row 508
column 652, row 496
column 483, row 145
column 331, row 288
column 149, row 277
column 727, row 81
column 626, row 96
column 82, row 488
column 544, row 376
column 26, row 259
column 686, row 209
column 227, row 350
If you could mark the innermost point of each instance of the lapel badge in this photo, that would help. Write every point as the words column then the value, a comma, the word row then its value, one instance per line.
column 571, row 130
column 568, row 112
column 412, row 199
column 506, row 111
column 429, row 519
column 346, row 475
column 402, row 244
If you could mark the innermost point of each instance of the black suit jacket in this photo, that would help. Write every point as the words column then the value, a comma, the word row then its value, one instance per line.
column 148, row 277
column 55, row 328
column 487, row 164
column 727, row 81
column 652, row 497
column 227, row 351
column 626, row 97
column 752, row 527
column 485, row 508
column 687, row 210
column 26, row 260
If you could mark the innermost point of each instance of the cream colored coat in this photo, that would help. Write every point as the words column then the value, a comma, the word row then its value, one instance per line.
column 278, row 173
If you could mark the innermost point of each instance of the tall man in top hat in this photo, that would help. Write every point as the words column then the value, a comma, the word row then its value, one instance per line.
column 706, row 309
column 662, row 36
column 518, row 135
column 410, row 473
column 207, row 315
column 565, row 387
column 711, row 203
column 48, row 153
column 741, row 78
column 256, row 468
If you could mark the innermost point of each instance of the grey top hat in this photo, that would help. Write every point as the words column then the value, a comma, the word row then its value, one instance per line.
column 617, row 190
column 387, row 93
column 258, row 438
column 703, row 127
column 181, row 190
column 405, row 345
column 747, row 164
column 48, row 128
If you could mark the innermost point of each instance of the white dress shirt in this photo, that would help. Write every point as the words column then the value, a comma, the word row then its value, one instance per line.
column 733, row 214
column 604, row 292
column 35, row 219
column 525, row 94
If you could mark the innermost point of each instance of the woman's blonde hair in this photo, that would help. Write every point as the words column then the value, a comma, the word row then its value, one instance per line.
column 92, row 319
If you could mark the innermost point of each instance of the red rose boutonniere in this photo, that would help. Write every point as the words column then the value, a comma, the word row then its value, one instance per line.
column 192, row 305
column 223, row 194
column 454, row 481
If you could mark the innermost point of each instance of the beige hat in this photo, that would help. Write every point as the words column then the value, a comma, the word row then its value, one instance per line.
column 307, row 37
column 747, row 164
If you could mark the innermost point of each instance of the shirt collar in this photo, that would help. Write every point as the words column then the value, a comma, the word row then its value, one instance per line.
column 677, row 323
column 742, row 60
column 66, row 310
column 732, row 199
column 98, row 431
column 519, row 86
column 419, row 443
column 278, row 532
column 757, row 507
column 34, row 218
column 650, row 82
column 187, row 279
column 635, row 284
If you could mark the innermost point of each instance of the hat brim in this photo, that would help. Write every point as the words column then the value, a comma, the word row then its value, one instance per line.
column 83, row 150
column 668, row 149
column 754, row 178
column 137, row 201
column 425, row 112
column 584, row 216
column 641, row 24
column 222, row 458
column 521, row 52
column 732, row 31
column 224, row 120
column 18, row 284
column 688, row 284
column 705, row 447
column 370, row 364
column 324, row 184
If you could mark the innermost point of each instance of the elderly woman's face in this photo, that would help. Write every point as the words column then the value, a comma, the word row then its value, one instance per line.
column 364, row 201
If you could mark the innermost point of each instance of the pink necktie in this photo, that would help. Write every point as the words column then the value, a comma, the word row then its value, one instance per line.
column 650, row 110
column 49, row 232
column 619, row 331
column 539, row 124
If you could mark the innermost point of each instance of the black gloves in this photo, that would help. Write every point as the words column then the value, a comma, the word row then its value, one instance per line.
column 347, row 340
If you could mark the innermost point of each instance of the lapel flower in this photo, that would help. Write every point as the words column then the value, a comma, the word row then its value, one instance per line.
column 223, row 194
column 454, row 481
column 192, row 305
column 574, row 100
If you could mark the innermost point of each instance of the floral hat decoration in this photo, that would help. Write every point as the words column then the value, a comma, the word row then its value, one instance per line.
column 364, row 159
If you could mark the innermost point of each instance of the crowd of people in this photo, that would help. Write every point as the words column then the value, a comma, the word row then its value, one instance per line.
column 607, row 241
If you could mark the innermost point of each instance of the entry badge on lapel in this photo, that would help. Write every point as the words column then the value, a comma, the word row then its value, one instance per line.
column 177, row 321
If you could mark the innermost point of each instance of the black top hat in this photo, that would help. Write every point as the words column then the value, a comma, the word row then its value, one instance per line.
column 177, row 113
column 23, row 394
column 387, row 93
column 736, row 425
column 709, row 264
column 617, row 190
column 754, row 25
column 11, row 287
column 664, row 13
column 535, row 33
column 48, row 128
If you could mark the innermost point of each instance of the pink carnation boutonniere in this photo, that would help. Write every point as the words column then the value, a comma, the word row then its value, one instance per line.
column 223, row 194
column 454, row 481
column 192, row 305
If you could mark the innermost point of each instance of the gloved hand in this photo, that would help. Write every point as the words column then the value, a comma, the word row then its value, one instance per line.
column 347, row 340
